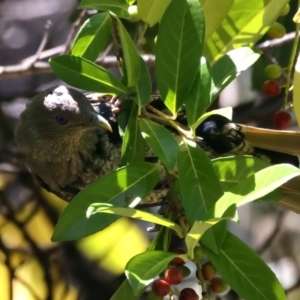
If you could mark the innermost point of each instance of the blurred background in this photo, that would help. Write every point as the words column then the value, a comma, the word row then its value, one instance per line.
column 34, row 268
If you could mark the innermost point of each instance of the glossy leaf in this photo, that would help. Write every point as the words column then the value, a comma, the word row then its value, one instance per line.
column 161, row 141
column 144, row 267
column 118, row 188
column 178, row 51
column 245, row 24
column 199, row 184
column 124, row 292
column 151, row 11
column 133, row 146
column 199, row 97
column 135, row 214
column 130, row 58
column 93, row 37
column 215, row 12
column 229, row 66
column 118, row 7
column 245, row 272
column 144, row 85
column 256, row 186
column 86, row 75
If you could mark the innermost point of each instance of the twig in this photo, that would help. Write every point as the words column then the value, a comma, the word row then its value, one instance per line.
column 276, row 42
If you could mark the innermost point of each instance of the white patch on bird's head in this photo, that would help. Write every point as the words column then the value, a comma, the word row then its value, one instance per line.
column 62, row 99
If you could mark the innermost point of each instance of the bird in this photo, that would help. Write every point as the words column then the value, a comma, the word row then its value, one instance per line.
column 69, row 142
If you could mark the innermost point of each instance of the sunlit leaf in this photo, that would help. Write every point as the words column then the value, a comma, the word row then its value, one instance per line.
column 93, row 37
column 199, row 184
column 151, row 11
column 161, row 141
column 86, row 75
column 118, row 7
column 296, row 90
column 245, row 272
column 229, row 66
column 178, row 51
column 118, row 188
column 125, row 292
column 130, row 58
column 245, row 24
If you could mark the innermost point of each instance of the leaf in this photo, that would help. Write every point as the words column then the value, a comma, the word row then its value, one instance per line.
column 125, row 292
column 151, row 11
column 245, row 271
column 216, row 8
column 93, row 37
column 84, row 74
column 118, row 7
column 197, row 231
column 256, row 186
column 178, row 51
column 144, row 267
column 199, row 98
column 133, row 213
column 117, row 187
column 161, row 141
column 229, row 66
column 199, row 184
column 296, row 90
column 225, row 112
column 245, row 24
column 144, row 85
column 133, row 146
column 130, row 58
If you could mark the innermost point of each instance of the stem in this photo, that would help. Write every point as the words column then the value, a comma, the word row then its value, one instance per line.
column 201, row 279
column 290, row 65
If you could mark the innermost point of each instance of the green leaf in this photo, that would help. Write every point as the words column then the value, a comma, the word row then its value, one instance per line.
column 229, row 66
column 93, row 37
column 197, row 231
column 133, row 213
column 213, row 238
column 117, row 188
column 245, row 272
column 86, row 75
column 161, row 141
column 142, row 268
column 161, row 240
column 125, row 292
column 225, row 112
column 199, row 184
column 144, row 85
column 130, row 58
column 118, row 7
column 151, row 11
column 178, row 51
column 256, row 186
column 133, row 146
column 245, row 24
column 215, row 12
column 199, row 98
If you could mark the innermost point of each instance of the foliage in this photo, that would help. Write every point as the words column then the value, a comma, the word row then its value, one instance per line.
column 191, row 70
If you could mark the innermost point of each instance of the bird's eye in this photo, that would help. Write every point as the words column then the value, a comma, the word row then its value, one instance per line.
column 61, row 120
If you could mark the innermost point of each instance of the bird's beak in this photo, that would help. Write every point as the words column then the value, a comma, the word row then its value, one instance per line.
column 100, row 122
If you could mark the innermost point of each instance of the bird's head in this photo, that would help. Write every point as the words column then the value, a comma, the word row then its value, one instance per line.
column 57, row 120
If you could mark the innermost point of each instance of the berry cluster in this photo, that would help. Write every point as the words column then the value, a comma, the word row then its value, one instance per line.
column 177, row 271
column 271, row 87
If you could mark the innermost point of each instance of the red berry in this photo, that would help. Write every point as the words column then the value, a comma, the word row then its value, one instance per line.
column 282, row 120
column 188, row 294
column 174, row 275
column 218, row 285
column 271, row 88
column 177, row 261
column 209, row 271
column 160, row 287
